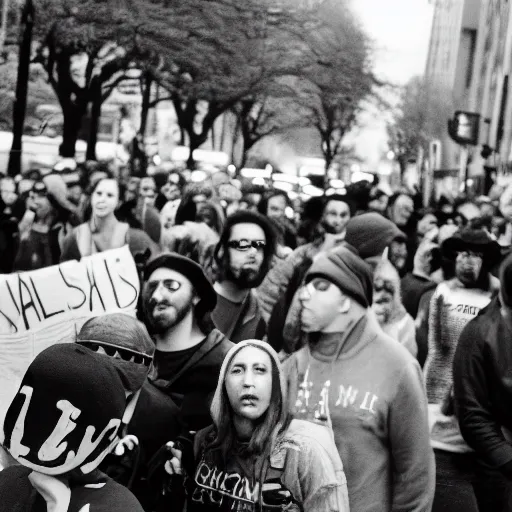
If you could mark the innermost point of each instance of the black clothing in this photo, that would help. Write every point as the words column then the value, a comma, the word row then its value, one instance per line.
column 192, row 387
column 413, row 287
column 169, row 363
column 18, row 495
column 482, row 385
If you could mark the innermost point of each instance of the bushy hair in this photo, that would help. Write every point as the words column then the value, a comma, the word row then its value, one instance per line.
column 221, row 255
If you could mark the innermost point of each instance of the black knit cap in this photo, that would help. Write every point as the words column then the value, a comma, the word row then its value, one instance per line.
column 344, row 268
column 191, row 270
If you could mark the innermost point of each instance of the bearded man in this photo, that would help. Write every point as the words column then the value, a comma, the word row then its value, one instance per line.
column 243, row 256
column 177, row 301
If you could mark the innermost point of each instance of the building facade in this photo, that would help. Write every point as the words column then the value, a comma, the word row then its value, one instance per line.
column 451, row 63
column 490, row 92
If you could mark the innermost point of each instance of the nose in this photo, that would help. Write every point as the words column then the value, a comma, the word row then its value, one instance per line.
column 305, row 293
column 248, row 379
column 157, row 295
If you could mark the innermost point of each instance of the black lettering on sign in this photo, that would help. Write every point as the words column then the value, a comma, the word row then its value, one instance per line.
column 49, row 315
column 10, row 320
column 114, row 288
column 93, row 286
column 25, row 306
column 69, row 285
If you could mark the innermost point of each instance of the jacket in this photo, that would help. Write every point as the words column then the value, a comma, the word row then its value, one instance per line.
column 373, row 396
column 248, row 324
column 302, row 463
column 192, row 388
column 483, row 388
column 276, row 281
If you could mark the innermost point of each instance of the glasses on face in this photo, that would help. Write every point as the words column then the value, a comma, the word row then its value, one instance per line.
column 469, row 255
column 245, row 245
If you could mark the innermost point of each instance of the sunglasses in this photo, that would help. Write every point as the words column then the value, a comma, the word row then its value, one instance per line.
column 245, row 245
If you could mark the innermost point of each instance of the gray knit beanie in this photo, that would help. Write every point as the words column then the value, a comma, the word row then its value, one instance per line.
column 371, row 233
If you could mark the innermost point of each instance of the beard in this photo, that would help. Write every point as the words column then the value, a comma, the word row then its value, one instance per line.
column 331, row 230
column 245, row 278
column 162, row 321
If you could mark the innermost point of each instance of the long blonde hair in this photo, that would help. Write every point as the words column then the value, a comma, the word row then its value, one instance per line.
column 272, row 423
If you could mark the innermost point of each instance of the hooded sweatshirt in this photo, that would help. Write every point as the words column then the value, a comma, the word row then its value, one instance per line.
column 387, row 305
column 59, row 427
column 301, row 461
column 372, row 395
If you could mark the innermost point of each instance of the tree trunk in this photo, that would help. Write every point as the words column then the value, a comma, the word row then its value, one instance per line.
column 71, row 126
column 20, row 103
column 94, row 125
column 146, row 101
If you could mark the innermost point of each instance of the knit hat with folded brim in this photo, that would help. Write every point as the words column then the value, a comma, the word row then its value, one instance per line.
column 371, row 233
column 347, row 271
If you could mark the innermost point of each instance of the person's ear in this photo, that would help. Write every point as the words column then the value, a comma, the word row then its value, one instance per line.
column 344, row 308
column 196, row 299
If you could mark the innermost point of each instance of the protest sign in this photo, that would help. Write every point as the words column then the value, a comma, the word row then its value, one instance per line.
column 49, row 306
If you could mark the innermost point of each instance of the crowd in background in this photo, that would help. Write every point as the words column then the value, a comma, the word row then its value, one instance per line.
column 395, row 316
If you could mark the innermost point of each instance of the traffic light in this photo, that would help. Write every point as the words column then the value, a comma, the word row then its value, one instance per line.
column 464, row 128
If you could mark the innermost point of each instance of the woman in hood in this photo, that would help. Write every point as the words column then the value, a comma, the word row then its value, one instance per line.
column 388, row 308
column 255, row 457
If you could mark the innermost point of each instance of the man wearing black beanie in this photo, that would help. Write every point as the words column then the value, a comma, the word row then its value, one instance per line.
column 365, row 385
column 483, row 395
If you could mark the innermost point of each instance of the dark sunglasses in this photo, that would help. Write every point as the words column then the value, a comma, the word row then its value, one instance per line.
column 245, row 245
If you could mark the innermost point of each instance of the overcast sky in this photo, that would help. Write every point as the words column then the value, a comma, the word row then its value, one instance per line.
column 400, row 30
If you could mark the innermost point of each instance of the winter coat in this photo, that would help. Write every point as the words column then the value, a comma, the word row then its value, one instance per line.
column 304, row 462
column 482, row 386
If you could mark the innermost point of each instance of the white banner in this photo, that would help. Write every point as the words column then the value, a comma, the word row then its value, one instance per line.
column 49, row 306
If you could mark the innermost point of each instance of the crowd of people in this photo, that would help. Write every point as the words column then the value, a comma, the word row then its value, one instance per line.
column 346, row 352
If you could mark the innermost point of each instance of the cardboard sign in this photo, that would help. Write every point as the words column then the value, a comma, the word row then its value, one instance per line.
column 49, row 306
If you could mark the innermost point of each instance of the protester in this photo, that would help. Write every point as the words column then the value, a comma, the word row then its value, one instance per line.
column 454, row 303
column 280, row 463
column 371, row 234
column 102, row 230
column 365, row 385
column 333, row 216
column 414, row 284
column 177, row 300
column 482, row 396
column 243, row 257
column 61, row 424
column 387, row 306
column 42, row 239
